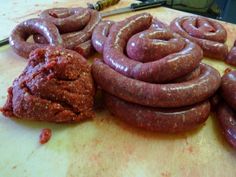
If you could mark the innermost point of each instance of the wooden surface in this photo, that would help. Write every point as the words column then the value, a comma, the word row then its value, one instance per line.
column 104, row 146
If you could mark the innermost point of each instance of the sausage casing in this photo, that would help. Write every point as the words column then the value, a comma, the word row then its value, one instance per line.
column 157, row 119
column 29, row 27
column 157, row 95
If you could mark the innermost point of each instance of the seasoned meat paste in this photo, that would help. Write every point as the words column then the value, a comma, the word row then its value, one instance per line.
column 55, row 86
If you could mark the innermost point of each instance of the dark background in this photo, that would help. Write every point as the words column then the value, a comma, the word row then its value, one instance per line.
column 230, row 11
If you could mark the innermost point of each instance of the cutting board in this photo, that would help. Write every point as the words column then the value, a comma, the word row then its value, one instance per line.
column 105, row 146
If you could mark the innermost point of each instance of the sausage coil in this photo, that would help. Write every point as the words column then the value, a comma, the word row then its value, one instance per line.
column 208, row 34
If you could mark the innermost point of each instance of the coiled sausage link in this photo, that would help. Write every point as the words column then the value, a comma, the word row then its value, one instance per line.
column 67, row 19
column 208, row 34
column 75, row 24
column 157, row 95
column 227, row 107
column 160, row 75
column 20, row 34
column 76, row 38
column 157, row 119
column 185, row 57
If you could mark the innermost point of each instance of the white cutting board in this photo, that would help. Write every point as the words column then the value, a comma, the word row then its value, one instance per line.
column 104, row 146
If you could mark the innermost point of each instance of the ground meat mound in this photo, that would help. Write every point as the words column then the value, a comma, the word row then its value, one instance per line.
column 55, row 86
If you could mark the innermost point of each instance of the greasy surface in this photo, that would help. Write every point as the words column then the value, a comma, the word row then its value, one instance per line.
column 157, row 95
column 55, row 86
column 210, row 35
column 105, row 144
column 156, row 119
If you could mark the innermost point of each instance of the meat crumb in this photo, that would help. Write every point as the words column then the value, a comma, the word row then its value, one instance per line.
column 45, row 135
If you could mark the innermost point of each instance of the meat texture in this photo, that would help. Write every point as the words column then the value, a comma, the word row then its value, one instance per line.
column 55, row 86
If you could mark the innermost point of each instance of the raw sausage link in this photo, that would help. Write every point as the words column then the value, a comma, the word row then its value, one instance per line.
column 76, row 25
column 139, row 47
column 227, row 118
column 157, row 95
column 209, row 34
column 157, row 119
column 19, row 36
column 185, row 57
column 67, row 19
column 228, row 88
column 102, row 30
column 231, row 59
column 160, row 85
column 75, row 38
column 100, row 34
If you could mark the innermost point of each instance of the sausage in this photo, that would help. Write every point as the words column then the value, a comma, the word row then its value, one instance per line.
column 227, row 119
column 80, row 19
column 179, row 63
column 208, row 34
column 227, row 107
column 82, row 36
column 157, row 95
column 20, row 34
column 228, row 88
column 156, row 119
column 85, row 49
column 76, row 26
column 231, row 59
column 205, row 29
column 141, row 45
column 215, row 101
column 67, row 19
column 100, row 33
